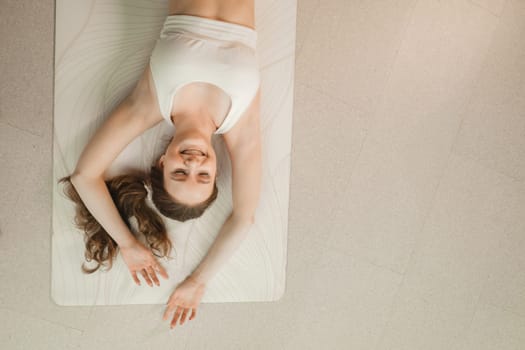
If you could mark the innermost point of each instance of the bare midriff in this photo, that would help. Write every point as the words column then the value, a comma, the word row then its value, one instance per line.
column 240, row 12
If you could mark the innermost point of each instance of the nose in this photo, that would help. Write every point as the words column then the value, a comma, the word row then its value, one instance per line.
column 190, row 159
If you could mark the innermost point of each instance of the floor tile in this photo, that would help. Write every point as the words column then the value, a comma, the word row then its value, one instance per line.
column 410, row 137
column 434, row 74
column 495, row 7
column 350, row 49
column 133, row 327
column 306, row 11
column 505, row 285
column 448, row 269
column 385, row 203
column 340, row 303
column 493, row 127
column 493, row 328
column 27, row 68
column 27, row 332
column 25, row 242
column 323, row 157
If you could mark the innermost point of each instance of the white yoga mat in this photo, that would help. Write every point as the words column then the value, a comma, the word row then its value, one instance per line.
column 101, row 48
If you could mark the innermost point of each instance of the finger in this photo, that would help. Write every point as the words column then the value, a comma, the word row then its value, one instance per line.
column 134, row 275
column 146, row 277
column 153, row 275
column 176, row 317
column 183, row 316
column 171, row 305
column 168, row 311
column 161, row 270
column 193, row 314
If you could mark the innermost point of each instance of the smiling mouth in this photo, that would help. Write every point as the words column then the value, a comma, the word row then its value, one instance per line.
column 194, row 152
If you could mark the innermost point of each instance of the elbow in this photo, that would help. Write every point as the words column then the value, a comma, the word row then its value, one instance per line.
column 245, row 220
column 76, row 175
column 73, row 177
column 250, row 219
column 80, row 179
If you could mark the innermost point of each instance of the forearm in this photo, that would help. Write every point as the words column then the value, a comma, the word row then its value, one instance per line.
column 230, row 237
column 97, row 199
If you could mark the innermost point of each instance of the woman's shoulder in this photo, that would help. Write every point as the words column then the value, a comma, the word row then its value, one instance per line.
column 246, row 130
column 144, row 97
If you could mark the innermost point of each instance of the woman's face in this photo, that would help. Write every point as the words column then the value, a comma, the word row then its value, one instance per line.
column 189, row 167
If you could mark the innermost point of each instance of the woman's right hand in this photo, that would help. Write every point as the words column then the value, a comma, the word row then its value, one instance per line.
column 140, row 259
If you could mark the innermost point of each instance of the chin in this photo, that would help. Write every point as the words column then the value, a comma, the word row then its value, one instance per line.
column 193, row 144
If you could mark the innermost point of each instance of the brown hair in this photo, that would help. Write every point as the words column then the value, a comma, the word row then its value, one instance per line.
column 129, row 195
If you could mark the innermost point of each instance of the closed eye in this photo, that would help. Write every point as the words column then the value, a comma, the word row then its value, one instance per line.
column 180, row 176
column 184, row 173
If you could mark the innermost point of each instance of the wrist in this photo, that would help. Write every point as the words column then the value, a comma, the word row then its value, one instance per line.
column 128, row 242
column 197, row 278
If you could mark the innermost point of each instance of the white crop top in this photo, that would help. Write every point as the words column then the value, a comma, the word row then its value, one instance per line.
column 192, row 48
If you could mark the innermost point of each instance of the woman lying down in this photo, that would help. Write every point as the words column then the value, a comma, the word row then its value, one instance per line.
column 203, row 77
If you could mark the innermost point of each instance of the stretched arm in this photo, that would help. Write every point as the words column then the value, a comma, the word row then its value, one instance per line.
column 244, row 146
column 124, row 124
column 118, row 130
column 134, row 115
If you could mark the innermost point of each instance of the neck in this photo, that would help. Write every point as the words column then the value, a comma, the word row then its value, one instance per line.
column 199, row 121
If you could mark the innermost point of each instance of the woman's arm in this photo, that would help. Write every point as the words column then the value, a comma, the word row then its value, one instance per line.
column 122, row 126
column 134, row 115
column 125, row 123
column 244, row 146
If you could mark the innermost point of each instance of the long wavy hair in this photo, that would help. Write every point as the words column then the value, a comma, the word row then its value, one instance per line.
column 130, row 198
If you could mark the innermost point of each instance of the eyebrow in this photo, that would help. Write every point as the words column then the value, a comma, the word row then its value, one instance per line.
column 198, row 180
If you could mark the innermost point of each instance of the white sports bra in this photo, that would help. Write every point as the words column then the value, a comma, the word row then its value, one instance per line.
column 192, row 48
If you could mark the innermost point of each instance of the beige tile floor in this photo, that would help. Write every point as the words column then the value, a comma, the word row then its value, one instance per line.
column 407, row 213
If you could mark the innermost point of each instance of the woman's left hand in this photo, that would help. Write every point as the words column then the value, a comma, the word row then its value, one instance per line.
column 187, row 296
